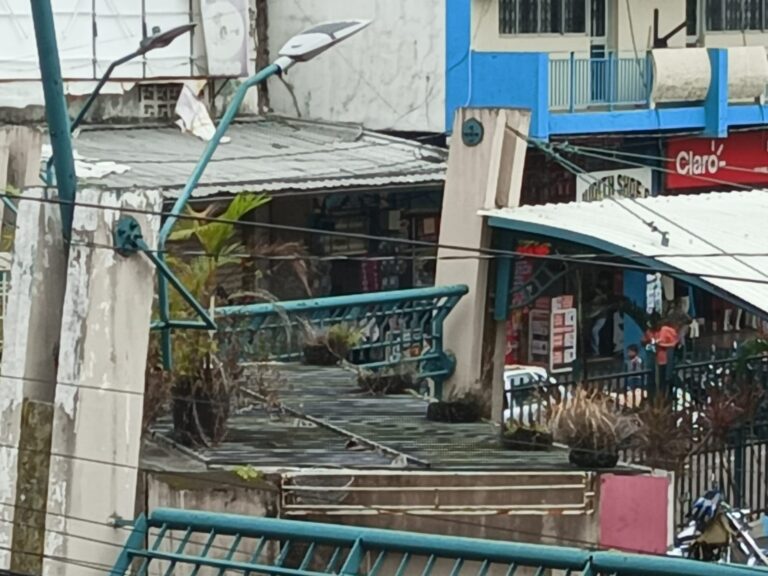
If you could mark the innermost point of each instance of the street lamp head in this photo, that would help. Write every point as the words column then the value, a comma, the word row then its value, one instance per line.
column 317, row 40
column 162, row 39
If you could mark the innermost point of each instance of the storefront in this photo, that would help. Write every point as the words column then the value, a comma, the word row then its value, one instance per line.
column 381, row 263
column 718, row 301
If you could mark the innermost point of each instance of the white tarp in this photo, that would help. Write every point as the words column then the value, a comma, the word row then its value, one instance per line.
column 119, row 27
column 721, row 237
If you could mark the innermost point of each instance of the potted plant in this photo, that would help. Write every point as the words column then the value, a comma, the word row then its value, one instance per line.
column 666, row 436
column 388, row 381
column 593, row 428
column 326, row 347
column 458, row 409
column 526, row 437
column 207, row 365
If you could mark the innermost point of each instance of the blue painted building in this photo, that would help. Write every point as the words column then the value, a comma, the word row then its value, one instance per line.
column 628, row 99
column 595, row 69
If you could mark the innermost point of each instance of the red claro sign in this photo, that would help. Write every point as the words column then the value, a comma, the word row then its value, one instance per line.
column 742, row 158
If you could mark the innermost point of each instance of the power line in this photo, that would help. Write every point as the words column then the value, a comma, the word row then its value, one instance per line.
column 665, row 269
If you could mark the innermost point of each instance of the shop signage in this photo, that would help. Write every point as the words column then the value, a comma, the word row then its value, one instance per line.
column 562, row 335
column 742, row 158
column 630, row 183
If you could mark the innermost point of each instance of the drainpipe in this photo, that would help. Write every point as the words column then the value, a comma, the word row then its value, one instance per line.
column 260, row 35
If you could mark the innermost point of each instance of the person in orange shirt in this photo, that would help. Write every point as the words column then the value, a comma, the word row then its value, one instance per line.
column 662, row 338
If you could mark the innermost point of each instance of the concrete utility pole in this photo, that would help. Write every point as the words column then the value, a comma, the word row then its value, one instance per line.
column 485, row 171
column 76, row 337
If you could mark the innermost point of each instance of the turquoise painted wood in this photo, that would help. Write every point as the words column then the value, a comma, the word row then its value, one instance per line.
column 398, row 329
column 183, row 541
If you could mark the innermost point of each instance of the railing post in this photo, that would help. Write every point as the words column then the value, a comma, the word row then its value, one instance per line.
column 572, row 88
column 739, row 465
column 648, row 78
column 609, row 80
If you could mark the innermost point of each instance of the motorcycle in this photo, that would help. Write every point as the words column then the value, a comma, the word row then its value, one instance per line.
column 718, row 533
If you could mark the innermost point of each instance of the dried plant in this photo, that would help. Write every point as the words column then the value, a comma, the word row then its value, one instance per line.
column 591, row 421
column 392, row 380
column 666, row 436
column 293, row 254
column 326, row 346
column 721, row 414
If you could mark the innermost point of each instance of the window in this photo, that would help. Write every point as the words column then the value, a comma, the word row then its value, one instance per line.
column 542, row 16
column 735, row 15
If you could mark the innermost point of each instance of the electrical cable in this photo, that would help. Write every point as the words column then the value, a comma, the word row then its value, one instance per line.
column 666, row 269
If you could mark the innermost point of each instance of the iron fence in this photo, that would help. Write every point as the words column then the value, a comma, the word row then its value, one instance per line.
column 736, row 463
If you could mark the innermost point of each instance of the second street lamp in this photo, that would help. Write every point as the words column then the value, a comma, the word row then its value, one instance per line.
column 155, row 42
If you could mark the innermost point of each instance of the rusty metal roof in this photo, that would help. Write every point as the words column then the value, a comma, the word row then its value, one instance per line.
column 267, row 155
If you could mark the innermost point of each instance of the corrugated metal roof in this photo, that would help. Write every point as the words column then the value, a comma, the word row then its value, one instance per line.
column 705, row 231
column 268, row 155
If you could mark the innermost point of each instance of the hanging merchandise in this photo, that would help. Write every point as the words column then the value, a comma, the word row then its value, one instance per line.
column 654, row 298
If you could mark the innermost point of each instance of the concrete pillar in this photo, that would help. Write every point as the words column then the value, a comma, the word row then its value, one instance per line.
column 99, row 398
column 27, row 386
column 486, row 175
column 20, row 151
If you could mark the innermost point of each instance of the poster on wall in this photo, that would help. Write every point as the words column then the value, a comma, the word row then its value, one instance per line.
column 562, row 335
column 225, row 27
column 538, row 333
column 629, row 183
column 523, row 274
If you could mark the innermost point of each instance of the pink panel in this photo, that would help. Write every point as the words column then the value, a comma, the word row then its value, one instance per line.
column 633, row 513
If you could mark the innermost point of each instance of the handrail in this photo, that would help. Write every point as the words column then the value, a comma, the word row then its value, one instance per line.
column 351, row 544
column 395, row 330
column 336, row 301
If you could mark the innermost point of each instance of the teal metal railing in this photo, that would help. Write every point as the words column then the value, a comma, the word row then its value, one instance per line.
column 401, row 328
column 578, row 82
column 183, row 542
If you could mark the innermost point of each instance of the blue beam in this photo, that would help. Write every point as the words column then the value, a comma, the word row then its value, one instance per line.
column 685, row 118
column 56, row 111
column 747, row 115
column 716, row 104
column 458, row 58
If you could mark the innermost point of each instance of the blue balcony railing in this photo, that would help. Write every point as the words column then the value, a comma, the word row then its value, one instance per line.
column 398, row 329
column 579, row 82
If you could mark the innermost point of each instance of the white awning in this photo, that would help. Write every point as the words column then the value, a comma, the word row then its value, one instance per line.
column 720, row 239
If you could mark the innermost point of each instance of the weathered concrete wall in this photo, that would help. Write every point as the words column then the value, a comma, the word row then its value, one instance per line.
column 222, row 492
column 30, row 347
column 389, row 77
column 99, row 399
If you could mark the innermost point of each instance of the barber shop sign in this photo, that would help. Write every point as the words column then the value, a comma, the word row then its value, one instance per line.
column 630, row 183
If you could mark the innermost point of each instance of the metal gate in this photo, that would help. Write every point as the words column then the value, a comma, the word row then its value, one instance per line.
column 202, row 543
